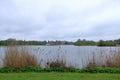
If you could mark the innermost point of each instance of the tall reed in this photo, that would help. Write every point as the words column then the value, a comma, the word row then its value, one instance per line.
column 18, row 56
column 111, row 60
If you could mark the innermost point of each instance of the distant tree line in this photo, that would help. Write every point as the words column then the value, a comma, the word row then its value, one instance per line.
column 59, row 43
column 109, row 43
column 99, row 43
column 21, row 42
column 79, row 42
column 84, row 42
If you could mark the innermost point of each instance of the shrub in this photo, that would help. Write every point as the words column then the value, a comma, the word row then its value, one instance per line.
column 101, row 70
column 21, row 69
column 57, row 63
column 39, row 69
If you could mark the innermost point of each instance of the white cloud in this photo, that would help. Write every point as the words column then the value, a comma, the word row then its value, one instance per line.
column 59, row 19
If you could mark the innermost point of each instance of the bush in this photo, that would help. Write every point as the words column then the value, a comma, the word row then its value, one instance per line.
column 21, row 69
column 57, row 64
column 39, row 69
column 101, row 70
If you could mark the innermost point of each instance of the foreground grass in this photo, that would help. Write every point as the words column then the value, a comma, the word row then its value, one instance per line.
column 58, row 76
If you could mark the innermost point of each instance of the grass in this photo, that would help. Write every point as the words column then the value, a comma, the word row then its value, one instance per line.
column 58, row 76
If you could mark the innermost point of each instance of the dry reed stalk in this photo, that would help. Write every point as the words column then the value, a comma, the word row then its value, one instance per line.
column 114, row 59
column 18, row 57
column 111, row 60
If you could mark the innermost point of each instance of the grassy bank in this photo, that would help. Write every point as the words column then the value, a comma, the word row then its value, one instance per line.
column 58, row 76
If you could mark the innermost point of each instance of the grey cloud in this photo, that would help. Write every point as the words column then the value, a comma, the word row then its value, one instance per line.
column 104, row 30
column 54, row 21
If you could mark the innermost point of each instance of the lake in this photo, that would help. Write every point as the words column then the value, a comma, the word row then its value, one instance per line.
column 76, row 56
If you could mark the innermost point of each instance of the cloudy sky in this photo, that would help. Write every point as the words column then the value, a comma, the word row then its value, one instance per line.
column 60, row 19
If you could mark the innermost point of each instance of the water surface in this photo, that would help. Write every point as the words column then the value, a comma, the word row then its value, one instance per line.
column 76, row 56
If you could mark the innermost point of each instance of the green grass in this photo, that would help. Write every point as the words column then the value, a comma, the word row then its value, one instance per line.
column 58, row 76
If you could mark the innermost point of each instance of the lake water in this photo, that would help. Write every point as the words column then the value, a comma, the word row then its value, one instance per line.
column 76, row 56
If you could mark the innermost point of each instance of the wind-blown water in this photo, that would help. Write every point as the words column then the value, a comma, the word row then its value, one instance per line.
column 76, row 56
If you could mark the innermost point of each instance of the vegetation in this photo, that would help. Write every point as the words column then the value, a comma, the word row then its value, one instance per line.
column 21, row 42
column 18, row 57
column 99, row 43
column 84, row 43
column 57, row 64
column 58, row 76
column 111, row 60
column 79, row 42
column 107, row 43
column 58, row 69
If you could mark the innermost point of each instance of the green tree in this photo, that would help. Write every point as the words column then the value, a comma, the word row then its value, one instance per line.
column 101, row 43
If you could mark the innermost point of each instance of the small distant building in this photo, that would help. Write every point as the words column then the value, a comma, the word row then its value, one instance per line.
column 59, row 43
column 11, row 39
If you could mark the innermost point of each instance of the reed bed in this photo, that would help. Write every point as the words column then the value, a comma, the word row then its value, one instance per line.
column 111, row 60
column 18, row 56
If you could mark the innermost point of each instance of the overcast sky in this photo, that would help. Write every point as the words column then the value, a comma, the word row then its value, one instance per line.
column 60, row 19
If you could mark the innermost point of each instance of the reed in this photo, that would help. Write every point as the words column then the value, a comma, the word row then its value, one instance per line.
column 111, row 60
column 18, row 56
column 91, row 62
column 114, row 59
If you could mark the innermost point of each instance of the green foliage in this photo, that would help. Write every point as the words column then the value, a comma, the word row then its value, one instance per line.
column 84, row 42
column 101, row 70
column 37, row 69
column 99, row 43
column 7, row 69
column 3, row 43
column 58, row 69
column 21, row 69
column 20, row 42
column 106, row 43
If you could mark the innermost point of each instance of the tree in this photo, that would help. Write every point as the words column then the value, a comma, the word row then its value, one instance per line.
column 101, row 43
